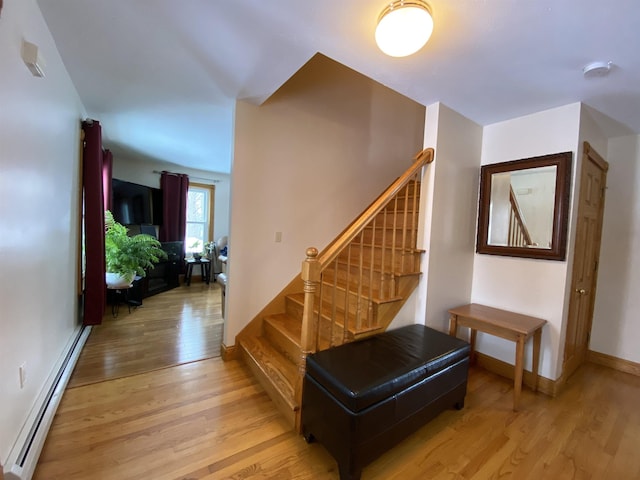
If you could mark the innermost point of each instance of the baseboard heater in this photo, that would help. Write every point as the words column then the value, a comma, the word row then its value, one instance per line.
column 22, row 461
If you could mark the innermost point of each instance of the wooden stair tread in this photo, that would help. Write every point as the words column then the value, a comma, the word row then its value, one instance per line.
column 289, row 326
column 277, row 368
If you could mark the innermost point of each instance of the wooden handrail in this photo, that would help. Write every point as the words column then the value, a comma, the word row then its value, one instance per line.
column 329, row 255
column 315, row 264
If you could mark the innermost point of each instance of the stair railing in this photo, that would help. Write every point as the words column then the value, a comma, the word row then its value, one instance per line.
column 519, row 235
column 338, row 303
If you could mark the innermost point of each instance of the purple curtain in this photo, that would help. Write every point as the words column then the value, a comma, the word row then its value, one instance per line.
column 107, row 169
column 94, row 292
column 175, row 187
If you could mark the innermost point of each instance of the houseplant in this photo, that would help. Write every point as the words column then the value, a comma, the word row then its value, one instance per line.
column 194, row 246
column 127, row 256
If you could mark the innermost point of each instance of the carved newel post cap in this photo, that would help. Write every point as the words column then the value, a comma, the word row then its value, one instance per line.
column 312, row 252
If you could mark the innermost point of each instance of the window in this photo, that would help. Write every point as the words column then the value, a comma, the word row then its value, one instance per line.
column 199, row 217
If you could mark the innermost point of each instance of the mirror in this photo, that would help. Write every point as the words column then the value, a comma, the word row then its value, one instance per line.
column 524, row 207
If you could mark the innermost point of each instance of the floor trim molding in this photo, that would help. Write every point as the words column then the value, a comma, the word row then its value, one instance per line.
column 504, row 369
column 228, row 352
column 616, row 363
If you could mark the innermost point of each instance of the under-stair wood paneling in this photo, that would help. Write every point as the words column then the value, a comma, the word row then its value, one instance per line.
column 351, row 290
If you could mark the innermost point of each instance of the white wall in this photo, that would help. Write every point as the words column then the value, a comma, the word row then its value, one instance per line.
column 306, row 163
column 616, row 324
column 39, row 165
column 527, row 286
column 449, row 196
column 139, row 171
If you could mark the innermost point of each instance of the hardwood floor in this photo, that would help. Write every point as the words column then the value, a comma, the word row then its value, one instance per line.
column 178, row 326
column 211, row 419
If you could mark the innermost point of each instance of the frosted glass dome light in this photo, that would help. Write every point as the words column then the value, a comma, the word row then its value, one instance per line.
column 404, row 27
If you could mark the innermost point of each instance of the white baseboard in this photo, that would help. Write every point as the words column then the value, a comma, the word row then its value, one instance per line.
column 23, row 458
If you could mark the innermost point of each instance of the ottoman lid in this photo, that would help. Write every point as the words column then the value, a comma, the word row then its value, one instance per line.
column 362, row 373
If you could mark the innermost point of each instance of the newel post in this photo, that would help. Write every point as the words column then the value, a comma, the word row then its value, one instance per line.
column 311, row 278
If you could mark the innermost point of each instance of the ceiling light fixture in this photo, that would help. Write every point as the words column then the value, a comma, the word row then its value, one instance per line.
column 404, row 27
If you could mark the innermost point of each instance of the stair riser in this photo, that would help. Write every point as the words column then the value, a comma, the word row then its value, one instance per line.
column 348, row 301
column 324, row 342
column 405, row 199
column 391, row 209
column 282, row 342
column 386, row 219
column 400, row 262
column 293, row 308
column 366, row 321
column 407, row 284
column 393, row 289
column 337, row 333
column 397, row 238
column 380, row 282
column 367, row 316
column 266, row 382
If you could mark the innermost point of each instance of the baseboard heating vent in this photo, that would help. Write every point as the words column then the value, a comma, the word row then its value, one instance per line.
column 23, row 458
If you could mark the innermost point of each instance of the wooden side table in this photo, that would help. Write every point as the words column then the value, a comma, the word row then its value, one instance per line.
column 504, row 324
column 204, row 269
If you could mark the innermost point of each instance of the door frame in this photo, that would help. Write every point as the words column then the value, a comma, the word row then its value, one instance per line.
column 588, row 155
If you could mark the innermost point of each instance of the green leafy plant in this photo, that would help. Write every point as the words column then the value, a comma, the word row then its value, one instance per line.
column 125, row 254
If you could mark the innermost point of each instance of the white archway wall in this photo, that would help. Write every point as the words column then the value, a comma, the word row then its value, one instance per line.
column 449, row 199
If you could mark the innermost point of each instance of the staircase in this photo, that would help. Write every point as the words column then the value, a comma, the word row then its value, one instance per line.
column 352, row 289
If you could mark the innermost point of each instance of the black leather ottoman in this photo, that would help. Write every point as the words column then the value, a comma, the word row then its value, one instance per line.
column 362, row 398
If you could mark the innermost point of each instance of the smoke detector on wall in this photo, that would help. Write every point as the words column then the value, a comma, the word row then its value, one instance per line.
column 597, row 69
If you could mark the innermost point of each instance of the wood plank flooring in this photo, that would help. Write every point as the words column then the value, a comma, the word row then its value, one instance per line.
column 211, row 419
column 178, row 326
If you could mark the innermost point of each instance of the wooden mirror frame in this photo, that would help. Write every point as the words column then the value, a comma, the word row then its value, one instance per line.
column 558, row 249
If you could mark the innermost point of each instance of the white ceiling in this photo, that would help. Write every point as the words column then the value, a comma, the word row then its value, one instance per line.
column 162, row 76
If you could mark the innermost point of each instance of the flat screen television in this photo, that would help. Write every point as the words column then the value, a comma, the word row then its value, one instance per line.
column 135, row 204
